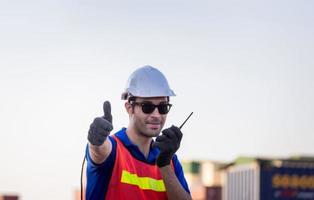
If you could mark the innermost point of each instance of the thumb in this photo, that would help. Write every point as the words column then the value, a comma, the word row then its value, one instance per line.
column 107, row 111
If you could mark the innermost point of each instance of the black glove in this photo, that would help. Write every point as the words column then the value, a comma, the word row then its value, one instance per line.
column 101, row 127
column 168, row 143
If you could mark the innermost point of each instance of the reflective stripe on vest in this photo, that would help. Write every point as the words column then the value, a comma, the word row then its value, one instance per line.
column 145, row 183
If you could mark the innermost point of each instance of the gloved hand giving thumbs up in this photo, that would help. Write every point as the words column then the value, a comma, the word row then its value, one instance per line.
column 101, row 126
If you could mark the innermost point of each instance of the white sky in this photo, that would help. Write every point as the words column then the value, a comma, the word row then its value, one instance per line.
column 245, row 68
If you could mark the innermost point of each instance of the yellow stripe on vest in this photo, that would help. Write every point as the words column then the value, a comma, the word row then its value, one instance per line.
column 145, row 183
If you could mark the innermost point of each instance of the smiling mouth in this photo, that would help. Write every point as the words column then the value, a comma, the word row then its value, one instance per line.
column 154, row 125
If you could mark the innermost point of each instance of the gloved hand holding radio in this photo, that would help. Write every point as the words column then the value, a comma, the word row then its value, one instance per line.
column 168, row 143
column 101, row 126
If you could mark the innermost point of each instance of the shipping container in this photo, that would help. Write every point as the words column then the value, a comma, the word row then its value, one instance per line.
column 270, row 180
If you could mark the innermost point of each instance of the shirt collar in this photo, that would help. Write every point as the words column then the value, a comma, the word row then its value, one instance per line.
column 153, row 152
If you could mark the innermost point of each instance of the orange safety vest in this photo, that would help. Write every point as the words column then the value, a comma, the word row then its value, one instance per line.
column 134, row 179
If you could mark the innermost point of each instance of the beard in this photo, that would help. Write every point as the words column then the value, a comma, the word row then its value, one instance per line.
column 149, row 128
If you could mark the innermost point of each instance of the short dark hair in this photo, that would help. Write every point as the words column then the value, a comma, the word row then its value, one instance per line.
column 133, row 98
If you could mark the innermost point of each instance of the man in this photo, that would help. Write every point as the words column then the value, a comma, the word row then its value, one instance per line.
column 130, row 164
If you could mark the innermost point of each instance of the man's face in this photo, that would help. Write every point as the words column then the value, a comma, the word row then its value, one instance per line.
column 147, row 124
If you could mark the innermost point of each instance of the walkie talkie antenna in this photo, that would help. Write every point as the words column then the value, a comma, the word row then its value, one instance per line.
column 185, row 120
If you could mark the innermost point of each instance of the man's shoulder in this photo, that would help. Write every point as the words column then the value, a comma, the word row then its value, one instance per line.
column 176, row 163
column 121, row 134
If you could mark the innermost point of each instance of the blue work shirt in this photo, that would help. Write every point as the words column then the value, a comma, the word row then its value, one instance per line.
column 98, row 175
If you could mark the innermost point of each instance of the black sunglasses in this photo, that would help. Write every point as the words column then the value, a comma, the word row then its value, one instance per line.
column 148, row 108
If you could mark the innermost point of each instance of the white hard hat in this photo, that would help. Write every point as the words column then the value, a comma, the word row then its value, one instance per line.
column 147, row 81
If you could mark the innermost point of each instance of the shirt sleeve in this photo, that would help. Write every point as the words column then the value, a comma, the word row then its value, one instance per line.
column 179, row 173
column 98, row 175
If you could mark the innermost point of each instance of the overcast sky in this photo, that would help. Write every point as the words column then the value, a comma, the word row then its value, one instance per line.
column 245, row 68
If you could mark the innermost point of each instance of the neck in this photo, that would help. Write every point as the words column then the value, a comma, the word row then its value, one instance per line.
column 142, row 142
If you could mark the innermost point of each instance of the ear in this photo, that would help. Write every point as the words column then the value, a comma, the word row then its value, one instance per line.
column 128, row 107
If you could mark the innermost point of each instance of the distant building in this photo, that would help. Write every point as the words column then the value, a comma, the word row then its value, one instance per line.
column 269, row 179
column 9, row 197
column 204, row 178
